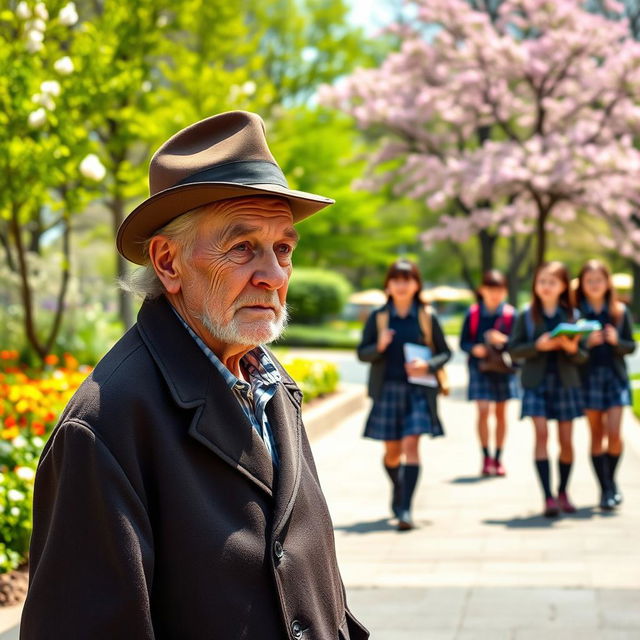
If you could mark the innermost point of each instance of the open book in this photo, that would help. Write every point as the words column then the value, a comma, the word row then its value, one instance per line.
column 419, row 352
column 579, row 328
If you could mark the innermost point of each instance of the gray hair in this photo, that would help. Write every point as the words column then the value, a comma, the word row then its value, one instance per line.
column 183, row 231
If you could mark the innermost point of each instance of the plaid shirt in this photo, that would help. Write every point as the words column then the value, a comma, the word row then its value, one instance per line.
column 253, row 396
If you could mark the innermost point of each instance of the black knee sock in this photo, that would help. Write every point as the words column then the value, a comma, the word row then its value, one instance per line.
column 409, row 479
column 601, row 467
column 498, row 454
column 485, row 452
column 565, row 470
column 612, row 463
column 394, row 475
column 543, row 473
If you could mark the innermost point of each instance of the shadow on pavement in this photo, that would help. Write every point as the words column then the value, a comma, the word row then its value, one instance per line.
column 471, row 479
column 382, row 524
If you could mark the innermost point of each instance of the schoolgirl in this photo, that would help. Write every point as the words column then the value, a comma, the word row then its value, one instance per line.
column 402, row 411
column 550, row 375
column 486, row 326
column 605, row 380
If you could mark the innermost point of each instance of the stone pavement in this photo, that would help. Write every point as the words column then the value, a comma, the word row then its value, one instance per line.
column 483, row 563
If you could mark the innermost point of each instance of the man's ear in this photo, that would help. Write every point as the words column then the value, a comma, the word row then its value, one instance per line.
column 162, row 253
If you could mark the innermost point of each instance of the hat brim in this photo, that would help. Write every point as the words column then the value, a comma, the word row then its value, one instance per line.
column 161, row 208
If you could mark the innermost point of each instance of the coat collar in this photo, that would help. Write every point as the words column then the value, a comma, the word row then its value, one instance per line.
column 219, row 422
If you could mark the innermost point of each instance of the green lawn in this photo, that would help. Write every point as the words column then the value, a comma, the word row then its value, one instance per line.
column 635, row 395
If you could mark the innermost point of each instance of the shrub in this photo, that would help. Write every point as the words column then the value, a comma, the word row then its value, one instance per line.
column 316, row 294
column 314, row 377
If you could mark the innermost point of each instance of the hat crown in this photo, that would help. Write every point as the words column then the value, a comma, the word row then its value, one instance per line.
column 235, row 136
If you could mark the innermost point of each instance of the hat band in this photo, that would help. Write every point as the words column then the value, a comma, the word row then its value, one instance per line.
column 247, row 172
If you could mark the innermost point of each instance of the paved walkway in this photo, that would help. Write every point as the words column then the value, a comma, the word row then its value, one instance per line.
column 483, row 563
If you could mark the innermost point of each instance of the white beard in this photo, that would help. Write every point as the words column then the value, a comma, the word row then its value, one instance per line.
column 249, row 334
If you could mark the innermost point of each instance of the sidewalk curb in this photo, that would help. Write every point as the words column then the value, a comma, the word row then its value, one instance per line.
column 321, row 418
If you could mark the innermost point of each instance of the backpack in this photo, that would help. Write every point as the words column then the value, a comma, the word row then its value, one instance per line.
column 506, row 319
column 426, row 324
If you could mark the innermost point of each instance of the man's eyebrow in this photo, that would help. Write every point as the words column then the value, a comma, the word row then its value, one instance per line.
column 240, row 229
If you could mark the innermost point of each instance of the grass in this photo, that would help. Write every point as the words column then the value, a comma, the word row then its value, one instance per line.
column 635, row 395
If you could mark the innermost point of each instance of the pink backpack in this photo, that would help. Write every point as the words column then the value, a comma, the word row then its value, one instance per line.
column 506, row 319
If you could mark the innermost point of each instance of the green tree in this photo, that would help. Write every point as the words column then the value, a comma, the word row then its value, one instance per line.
column 44, row 150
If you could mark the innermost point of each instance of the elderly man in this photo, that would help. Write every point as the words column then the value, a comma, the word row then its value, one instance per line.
column 177, row 497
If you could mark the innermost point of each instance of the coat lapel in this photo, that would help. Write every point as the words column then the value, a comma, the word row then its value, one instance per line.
column 285, row 419
column 218, row 422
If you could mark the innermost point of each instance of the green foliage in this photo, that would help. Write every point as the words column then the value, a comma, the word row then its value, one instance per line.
column 315, row 294
column 325, row 336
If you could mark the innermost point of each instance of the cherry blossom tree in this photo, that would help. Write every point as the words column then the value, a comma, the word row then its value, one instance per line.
column 507, row 123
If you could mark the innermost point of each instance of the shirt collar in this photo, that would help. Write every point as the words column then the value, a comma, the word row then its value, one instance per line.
column 413, row 311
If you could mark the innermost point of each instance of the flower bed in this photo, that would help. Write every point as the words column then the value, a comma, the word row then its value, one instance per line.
column 30, row 401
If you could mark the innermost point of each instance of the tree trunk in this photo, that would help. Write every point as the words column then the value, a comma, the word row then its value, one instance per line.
column 635, row 296
column 125, row 304
column 517, row 256
column 541, row 237
column 465, row 269
column 26, row 293
column 487, row 243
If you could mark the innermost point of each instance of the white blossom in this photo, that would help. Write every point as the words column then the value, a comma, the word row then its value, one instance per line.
column 23, row 11
column 64, row 66
column 45, row 100
column 41, row 11
column 37, row 118
column 37, row 25
column 25, row 473
column 19, row 442
column 34, row 41
column 92, row 168
column 15, row 496
column 146, row 86
column 51, row 87
column 15, row 511
column 37, row 441
column 249, row 87
column 162, row 21
column 68, row 15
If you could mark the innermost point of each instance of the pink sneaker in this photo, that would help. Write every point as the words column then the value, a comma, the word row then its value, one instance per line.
column 551, row 508
column 499, row 469
column 565, row 503
column 488, row 467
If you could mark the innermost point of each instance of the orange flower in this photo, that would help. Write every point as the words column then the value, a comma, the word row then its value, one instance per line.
column 9, row 422
column 51, row 359
column 37, row 428
column 5, row 354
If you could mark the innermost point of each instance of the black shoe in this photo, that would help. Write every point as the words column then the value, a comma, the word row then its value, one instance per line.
column 607, row 501
column 617, row 496
column 405, row 523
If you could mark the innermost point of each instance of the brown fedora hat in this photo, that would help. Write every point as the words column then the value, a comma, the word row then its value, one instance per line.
column 225, row 156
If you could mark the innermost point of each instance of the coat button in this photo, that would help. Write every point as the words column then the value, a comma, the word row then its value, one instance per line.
column 296, row 629
column 278, row 551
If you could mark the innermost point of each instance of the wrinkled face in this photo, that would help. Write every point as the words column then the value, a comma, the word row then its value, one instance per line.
column 595, row 284
column 235, row 282
column 402, row 289
column 548, row 287
column 493, row 296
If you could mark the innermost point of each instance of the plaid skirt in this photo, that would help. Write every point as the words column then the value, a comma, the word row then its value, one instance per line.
column 402, row 410
column 603, row 389
column 496, row 387
column 552, row 401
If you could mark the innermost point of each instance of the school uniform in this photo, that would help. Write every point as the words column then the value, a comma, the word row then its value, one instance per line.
column 605, row 381
column 492, row 386
column 552, row 387
column 399, row 407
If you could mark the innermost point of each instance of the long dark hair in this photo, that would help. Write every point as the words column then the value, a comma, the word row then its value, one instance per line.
column 610, row 297
column 558, row 270
column 492, row 278
column 404, row 269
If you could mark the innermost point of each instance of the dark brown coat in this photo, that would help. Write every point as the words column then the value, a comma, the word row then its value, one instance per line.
column 157, row 513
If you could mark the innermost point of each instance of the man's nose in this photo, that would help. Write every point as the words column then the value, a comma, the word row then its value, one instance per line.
column 269, row 273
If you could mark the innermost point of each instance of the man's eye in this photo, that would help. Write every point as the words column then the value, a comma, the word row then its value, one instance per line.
column 243, row 247
column 285, row 249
